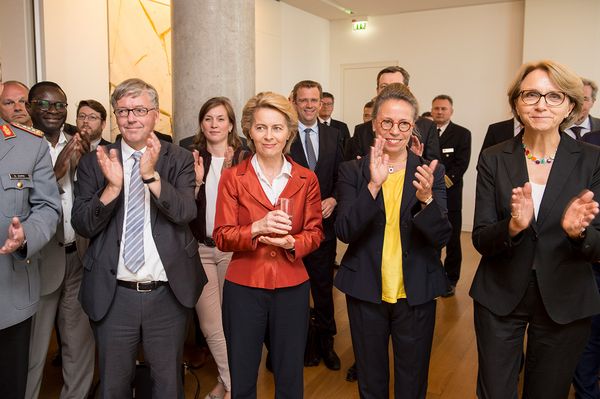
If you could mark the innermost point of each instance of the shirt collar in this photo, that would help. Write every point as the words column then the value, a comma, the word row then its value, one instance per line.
column 443, row 127
column 127, row 151
column 328, row 121
column 286, row 168
column 302, row 127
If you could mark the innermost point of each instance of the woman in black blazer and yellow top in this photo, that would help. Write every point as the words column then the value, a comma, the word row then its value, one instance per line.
column 535, row 227
column 392, row 213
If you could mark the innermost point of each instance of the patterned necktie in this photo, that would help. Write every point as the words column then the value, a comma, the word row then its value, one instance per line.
column 310, row 151
column 133, row 252
column 577, row 131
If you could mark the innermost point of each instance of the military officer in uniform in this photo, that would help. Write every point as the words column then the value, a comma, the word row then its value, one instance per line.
column 29, row 213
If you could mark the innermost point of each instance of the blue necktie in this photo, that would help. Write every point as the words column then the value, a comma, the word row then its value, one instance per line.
column 310, row 151
column 133, row 252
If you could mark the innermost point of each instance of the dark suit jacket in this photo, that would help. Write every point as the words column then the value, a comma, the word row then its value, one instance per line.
column 499, row 132
column 563, row 266
column 360, row 143
column 592, row 138
column 242, row 201
column 455, row 154
column 198, row 225
column 103, row 225
column 594, row 123
column 328, row 163
column 361, row 224
column 343, row 128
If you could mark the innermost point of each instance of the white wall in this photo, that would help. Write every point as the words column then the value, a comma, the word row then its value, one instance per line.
column 567, row 32
column 291, row 45
column 469, row 53
column 17, row 52
column 75, row 40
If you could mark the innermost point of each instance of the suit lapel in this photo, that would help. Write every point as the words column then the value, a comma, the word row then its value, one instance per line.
column 161, row 168
column 297, row 151
column 445, row 137
column 567, row 155
column 5, row 148
column 514, row 161
column 295, row 182
column 121, row 200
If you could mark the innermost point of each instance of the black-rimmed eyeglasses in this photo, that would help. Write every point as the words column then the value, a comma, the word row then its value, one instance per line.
column 388, row 124
column 139, row 111
column 532, row 97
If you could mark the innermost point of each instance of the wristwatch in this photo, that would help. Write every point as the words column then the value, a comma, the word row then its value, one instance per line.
column 155, row 177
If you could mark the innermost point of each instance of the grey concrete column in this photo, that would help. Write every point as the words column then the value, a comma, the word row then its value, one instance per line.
column 213, row 55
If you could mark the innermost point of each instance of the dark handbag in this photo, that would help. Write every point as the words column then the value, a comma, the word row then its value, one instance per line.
column 312, row 355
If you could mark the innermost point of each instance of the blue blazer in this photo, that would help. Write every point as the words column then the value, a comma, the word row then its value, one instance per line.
column 361, row 223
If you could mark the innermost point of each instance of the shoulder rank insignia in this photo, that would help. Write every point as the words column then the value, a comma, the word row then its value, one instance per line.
column 7, row 132
column 28, row 129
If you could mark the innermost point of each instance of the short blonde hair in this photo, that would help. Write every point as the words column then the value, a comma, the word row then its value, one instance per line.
column 566, row 80
column 134, row 87
column 274, row 101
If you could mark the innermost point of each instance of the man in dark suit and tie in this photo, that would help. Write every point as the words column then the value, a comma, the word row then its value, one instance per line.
column 360, row 143
column 586, row 123
column 501, row 131
column 327, row 105
column 318, row 147
column 455, row 153
column 142, row 273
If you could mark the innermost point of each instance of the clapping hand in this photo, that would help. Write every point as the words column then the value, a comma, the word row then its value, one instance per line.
column 198, row 168
column 521, row 209
column 15, row 238
column 378, row 166
column 423, row 182
column 579, row 213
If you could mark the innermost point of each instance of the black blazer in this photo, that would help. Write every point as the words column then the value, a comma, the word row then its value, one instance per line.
column 455, row 154
column 103, row 225
column 499, row 132
column 362, row 140
column 361, row 224
column 343, row 128
column 328, row 162
column 563, row 266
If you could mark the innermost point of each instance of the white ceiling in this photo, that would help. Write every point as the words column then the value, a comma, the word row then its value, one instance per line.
column 332, row 9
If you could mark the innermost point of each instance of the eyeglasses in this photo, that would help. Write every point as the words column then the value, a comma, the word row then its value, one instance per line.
column 124, row 112
column 325, row 104
column 532, row 97
column 388, row 124
column 90, row 117
column 45, row 105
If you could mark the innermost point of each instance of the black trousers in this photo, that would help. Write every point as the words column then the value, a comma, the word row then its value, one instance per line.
column 585, row 380
column 14, row 360
column 551, row 356
column 411, row 330
column 453, row 249
column 248, row 313
column 319, row 265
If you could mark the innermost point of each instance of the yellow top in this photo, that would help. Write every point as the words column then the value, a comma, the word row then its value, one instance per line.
column 392, row 277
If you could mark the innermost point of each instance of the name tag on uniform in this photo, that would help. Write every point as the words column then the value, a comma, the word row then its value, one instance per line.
column 20, row 176
column 447, row 150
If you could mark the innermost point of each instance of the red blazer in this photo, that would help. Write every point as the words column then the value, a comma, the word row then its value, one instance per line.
column 242, row 201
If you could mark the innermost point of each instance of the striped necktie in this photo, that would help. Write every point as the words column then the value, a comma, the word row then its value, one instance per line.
column 133, row 252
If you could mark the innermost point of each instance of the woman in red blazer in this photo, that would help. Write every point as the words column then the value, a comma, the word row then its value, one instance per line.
column 266, row 286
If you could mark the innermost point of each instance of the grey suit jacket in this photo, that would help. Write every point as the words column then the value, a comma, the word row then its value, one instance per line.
column 170, row 215
column 595, row 123
column 29, row 192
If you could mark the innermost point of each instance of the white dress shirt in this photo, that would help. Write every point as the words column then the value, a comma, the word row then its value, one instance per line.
column 273, row 190
column 66, row 192
column 153, row 269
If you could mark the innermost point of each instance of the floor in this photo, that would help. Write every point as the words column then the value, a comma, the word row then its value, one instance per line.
column 453, row 366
